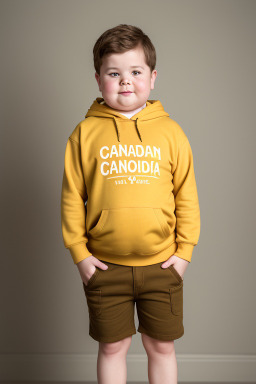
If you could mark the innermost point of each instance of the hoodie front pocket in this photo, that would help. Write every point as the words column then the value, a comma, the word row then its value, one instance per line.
column 123, row 231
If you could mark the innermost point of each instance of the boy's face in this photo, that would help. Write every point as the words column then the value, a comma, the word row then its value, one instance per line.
column 125, row 72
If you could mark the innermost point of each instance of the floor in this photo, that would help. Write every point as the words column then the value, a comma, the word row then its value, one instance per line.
column 94, row 382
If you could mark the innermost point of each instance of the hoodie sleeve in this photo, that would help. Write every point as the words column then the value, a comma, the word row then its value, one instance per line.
column 186, row 203
column 73, row 198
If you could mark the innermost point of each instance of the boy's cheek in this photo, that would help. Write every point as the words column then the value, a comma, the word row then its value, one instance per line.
column 109, row 87
column 142, row 85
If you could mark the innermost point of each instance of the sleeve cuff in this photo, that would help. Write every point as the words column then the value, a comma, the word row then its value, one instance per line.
column 79, row 252
column 184, row 251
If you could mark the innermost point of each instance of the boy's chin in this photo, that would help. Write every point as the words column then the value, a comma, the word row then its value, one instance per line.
column 124, row 108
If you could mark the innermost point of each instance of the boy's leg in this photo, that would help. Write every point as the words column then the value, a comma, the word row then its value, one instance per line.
column 162, row 363
column 111, row 363
column 110, row 300
column 160, row 312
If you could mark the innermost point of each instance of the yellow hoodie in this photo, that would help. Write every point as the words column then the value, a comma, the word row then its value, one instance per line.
column 129, row 192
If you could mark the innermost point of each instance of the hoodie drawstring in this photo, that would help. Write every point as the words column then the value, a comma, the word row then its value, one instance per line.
column 137, row 128
column 118, row 133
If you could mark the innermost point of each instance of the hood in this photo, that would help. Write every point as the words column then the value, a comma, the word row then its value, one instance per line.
column 153, row 110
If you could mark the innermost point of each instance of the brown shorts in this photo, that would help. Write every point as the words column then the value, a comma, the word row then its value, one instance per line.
column 157, row 292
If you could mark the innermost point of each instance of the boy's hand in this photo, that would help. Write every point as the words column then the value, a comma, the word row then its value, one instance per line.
column 178, row 263
column 87, row 268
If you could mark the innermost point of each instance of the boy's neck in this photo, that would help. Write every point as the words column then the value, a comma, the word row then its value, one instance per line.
column 129, row 114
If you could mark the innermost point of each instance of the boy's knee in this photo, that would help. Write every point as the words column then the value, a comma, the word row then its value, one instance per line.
column 120, row 346
column 153, row 346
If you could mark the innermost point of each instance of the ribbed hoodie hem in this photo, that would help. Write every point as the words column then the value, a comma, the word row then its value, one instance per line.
column 136, row 260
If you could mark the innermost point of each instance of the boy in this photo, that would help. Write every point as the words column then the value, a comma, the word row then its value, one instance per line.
column 133, row 240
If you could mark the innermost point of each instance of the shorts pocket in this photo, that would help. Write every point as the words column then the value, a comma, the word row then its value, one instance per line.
column 176, row 300
column 123, row 231
column 92, row 278
column 175, row 273
column 93, row 298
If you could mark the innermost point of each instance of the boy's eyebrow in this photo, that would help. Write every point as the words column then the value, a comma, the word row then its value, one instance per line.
column 132, row 66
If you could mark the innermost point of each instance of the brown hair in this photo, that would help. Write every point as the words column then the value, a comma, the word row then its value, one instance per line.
column 121, row 39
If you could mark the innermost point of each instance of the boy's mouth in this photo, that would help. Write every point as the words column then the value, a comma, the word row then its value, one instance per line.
column 126, row 93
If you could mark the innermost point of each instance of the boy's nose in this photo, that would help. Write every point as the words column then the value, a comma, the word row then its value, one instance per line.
column 125, row 81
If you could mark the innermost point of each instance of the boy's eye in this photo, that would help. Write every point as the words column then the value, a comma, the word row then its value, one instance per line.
column 115, row 74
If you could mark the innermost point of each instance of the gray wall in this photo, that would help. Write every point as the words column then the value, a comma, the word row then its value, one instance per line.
column 206, row 81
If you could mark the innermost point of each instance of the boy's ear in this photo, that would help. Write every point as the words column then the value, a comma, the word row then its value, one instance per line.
column 153, row 78
column 97, row 77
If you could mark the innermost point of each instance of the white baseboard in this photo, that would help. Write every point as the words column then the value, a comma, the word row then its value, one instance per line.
column 63, row 367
